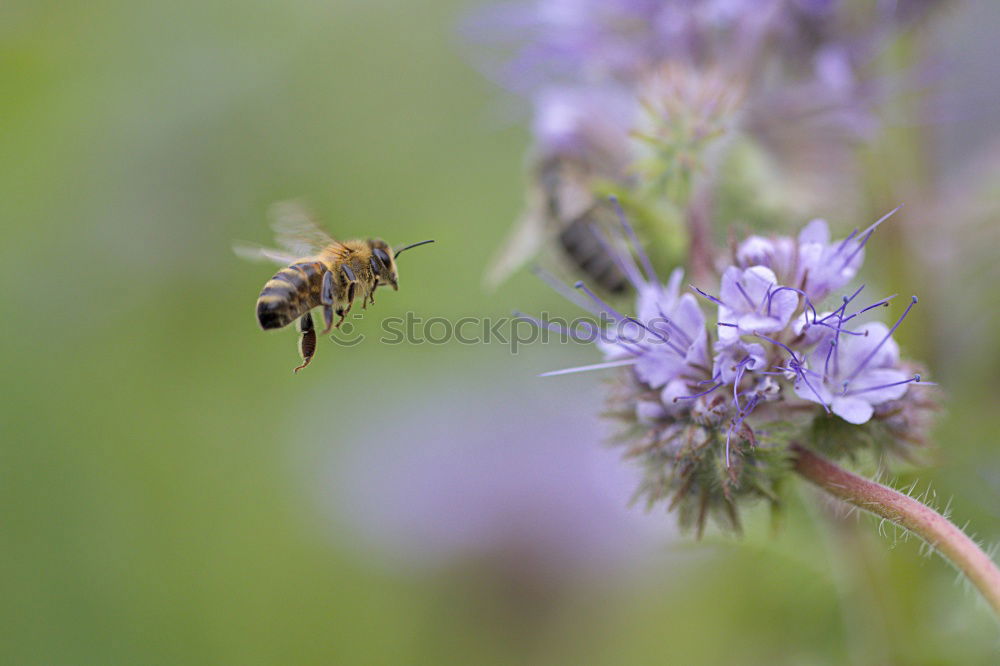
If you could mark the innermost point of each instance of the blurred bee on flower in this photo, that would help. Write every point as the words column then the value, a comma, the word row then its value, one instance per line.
column 581, row 150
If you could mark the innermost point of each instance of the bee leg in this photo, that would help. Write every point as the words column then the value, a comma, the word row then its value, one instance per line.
column 352, row 283
column 327, row 318
column 340, row 313
column 350, row 296
column 326, row 298
column 326, row 294
column 307, row 339
column 376, row 268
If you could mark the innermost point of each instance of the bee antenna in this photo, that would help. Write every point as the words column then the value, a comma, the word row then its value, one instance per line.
column 407, row 247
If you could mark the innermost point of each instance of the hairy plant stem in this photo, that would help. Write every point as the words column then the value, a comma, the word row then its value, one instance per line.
column 940, row 533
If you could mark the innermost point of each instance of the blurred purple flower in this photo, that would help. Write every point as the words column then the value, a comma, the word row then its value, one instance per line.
column 799, row 58
column 795, row 75
column 532, row 484
column 581, row 122
column 561, row 41
column 777, row 253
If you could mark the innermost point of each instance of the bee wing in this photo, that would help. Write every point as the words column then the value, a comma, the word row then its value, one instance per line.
column 296, row 231
column 255, row 252
column 561, row 193
column 523, row 244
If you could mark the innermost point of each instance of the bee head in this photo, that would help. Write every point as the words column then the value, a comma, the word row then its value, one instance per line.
column 383, row 263
column 383, row 260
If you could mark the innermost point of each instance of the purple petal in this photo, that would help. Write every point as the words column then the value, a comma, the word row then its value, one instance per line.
column 674, row 389
column 854, row 349
column 879, row 377
column 816, row 231
column 658, row 368
column 756, row 281
column 852, row 410
column 729, row 293
column 729, row 357
column 782, row 306
column 813, row 390
column 689, row 317
column 778, row 254
column 648, row 411
column 758, row 323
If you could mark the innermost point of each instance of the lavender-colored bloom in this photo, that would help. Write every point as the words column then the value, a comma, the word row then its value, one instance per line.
column 800, row 59
column 778, row 254
column 532, row 491
column 812, row 263
column 737, row 358
column 808, row 330
column 559, row 41
column 595, row 41
column 778, row 364
column 581, row 122
column 826, row 266
column 852, row 373
column 670, row 338
column 751, row 301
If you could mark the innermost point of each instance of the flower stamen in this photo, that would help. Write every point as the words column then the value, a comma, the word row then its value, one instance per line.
column 708, row 296
column 620, row 317
column 868, row 234
column 564, row 291
column 749, row 301
column 884, row 302
column 913, row 379
column 697, row 395
column 871, row 354
column 637, row 246
column 587, row 368
column 800, row 292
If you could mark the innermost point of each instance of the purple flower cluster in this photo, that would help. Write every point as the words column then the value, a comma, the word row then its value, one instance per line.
column 800, row 61
column 633, row 98
column 698, row 399
column 588, row 41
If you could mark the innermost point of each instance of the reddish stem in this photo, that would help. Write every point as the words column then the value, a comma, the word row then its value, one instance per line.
column 940, row 533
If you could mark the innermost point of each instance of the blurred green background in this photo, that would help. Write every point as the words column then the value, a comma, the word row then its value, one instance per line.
column 171, row 494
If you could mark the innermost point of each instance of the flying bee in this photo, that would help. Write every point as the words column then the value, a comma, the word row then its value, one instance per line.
column 319, row 272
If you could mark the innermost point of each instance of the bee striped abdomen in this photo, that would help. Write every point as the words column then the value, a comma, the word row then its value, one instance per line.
column 293, row 291
column 582, row 244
